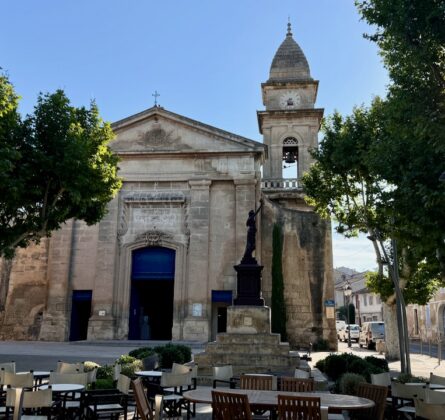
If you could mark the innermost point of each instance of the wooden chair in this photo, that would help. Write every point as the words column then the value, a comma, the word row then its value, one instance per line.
column 290, row 407
column 296, row 384
column 142, row 406
column 259, row 382
column 227, row 406
column 376, row 393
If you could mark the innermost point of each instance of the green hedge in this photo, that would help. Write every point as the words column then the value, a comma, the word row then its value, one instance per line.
column 336, row 365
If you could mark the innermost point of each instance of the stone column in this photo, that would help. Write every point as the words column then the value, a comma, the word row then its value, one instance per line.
column 244, row 201
column 196, row 324
column 56, row 318
column 101, row 324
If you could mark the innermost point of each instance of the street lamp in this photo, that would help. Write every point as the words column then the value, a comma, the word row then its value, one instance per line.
column 347, row 291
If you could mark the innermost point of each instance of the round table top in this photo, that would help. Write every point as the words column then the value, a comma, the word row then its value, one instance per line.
column 270, row 398
column 152, row 373
column 64, row 387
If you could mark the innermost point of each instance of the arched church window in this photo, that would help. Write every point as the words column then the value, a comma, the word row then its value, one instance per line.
column 290, row 157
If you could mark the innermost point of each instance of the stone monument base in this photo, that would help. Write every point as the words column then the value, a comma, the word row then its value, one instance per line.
column 248, row 345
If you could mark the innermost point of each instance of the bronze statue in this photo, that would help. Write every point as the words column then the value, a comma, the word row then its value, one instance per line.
column 251, row 236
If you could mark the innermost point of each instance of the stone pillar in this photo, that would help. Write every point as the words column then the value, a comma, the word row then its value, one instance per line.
column 244, row 202
column 101, row 324
column 56, row 318
column 196, row 323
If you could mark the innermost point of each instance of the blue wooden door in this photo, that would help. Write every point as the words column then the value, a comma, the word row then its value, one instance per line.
column 151, row 297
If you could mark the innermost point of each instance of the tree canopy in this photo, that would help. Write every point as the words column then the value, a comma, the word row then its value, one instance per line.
column 54, row 165
column 377, row 171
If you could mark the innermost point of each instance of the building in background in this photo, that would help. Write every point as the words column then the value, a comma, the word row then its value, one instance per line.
column 427, row 323
column 368, row 305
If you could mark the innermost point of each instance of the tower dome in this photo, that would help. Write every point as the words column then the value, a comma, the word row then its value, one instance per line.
column 289, row 63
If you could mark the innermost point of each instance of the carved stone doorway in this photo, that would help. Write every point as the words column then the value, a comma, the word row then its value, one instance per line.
column 151, row 297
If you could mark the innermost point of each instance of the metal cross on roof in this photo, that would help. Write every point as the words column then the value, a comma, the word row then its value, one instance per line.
column 156, row 94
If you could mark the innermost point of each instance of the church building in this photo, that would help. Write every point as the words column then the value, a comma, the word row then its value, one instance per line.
column 160, row 265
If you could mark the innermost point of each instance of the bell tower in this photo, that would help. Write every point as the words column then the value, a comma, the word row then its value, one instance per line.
column 290, row 123
column 289, row 227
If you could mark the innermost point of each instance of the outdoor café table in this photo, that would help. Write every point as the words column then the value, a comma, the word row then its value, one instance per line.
column 268, row 400
column 64, row 387
column 150, row 375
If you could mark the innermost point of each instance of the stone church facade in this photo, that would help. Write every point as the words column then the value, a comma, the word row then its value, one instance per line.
column 160, row 263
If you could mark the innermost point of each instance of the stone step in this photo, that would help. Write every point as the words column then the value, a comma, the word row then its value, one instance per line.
column 247, row 348
column 227, row 338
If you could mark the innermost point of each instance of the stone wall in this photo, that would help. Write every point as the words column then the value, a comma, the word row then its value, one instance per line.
column 24, row 287
column 307, row 272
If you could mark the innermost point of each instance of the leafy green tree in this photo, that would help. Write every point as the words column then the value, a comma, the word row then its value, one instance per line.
column 411, row 154
column 54, row 165
column 343, row 313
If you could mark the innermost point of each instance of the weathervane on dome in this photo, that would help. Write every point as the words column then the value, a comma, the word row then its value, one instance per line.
column 156, row 94
column 289, row 28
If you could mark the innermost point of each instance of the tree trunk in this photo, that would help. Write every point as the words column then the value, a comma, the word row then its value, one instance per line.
column 391, row 331
column 5, row 274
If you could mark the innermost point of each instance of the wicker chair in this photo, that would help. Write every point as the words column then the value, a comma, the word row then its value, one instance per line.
column 296, row 384
column 290, row 407
column 227, row 406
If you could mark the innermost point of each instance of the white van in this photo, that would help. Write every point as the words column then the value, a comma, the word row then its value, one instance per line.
column 339, row 325
column 370, row 333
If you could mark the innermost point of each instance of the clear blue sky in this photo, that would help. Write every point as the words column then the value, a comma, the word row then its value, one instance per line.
column 207, row 59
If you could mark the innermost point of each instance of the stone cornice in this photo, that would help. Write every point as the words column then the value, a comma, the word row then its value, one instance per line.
column 289, row 114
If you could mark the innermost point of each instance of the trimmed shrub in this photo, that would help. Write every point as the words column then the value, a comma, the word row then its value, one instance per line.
column 403, row 378
column 105, row 372
column 335, row 366
column 141, row 353
column 349, row 383
column 321, row 365
column 104, row 384
column 320, row 345
column 378, row 362
column 173, row 353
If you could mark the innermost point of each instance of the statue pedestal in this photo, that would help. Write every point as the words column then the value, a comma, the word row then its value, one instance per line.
column 248, row 320
column 248, row 345
column 248, row 288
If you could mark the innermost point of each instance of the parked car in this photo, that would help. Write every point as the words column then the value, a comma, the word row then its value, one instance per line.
column 339, row 325
column 355, row 333
column 371, row 333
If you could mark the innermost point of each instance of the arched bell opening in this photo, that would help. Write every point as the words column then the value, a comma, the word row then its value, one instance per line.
column 290, row 158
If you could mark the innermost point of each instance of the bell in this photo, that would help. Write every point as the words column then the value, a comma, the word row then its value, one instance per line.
column 289, row 158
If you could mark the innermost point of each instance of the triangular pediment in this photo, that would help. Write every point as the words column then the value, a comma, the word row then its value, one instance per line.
column 157, row 130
